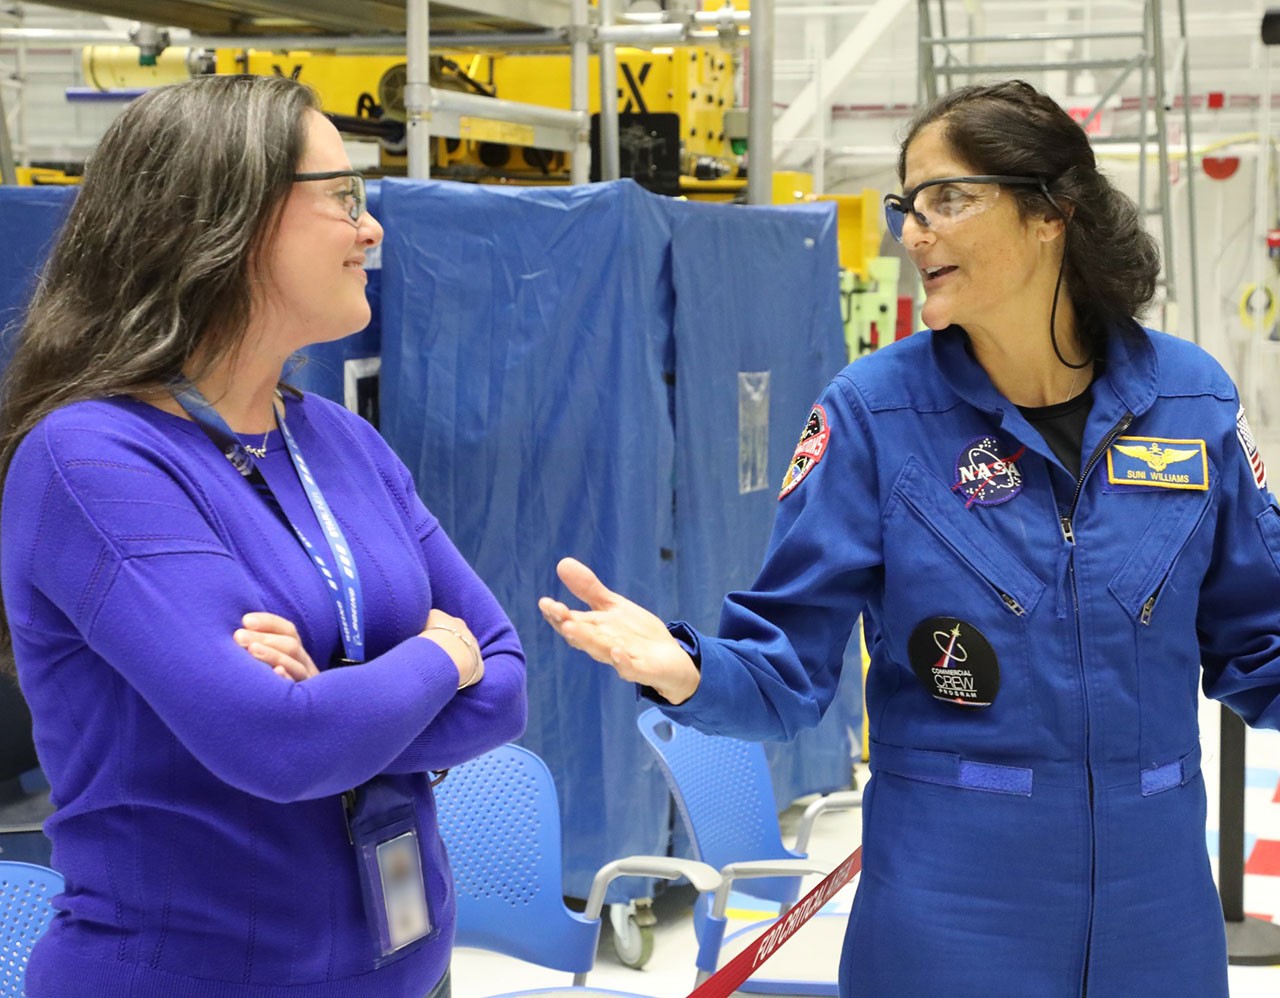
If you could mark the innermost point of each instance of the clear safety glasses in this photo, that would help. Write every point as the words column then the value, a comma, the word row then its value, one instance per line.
column 945, row 201
column 355, row 201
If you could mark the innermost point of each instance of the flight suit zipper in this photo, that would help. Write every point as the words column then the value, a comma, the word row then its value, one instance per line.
column 1065, row 524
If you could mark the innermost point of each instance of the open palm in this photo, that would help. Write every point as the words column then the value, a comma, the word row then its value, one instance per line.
column 620, row 633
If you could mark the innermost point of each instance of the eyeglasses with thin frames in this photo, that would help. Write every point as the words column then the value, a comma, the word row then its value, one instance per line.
column 946, row 200
column 355, row 200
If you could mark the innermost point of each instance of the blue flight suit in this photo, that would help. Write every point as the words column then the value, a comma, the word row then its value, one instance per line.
column 1050, row 844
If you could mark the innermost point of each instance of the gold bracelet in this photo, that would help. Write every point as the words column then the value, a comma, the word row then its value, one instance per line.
column 470, row 646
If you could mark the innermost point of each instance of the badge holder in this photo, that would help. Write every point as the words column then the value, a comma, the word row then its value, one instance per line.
column 383, row 825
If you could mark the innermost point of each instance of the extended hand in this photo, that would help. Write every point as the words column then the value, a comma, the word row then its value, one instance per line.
column 622, row 634
column 274, row 640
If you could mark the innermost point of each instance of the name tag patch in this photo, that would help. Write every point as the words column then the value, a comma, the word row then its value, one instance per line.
column 1158, row 462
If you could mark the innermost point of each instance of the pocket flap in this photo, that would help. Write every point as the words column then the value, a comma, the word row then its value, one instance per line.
column 1175, row 516
column 965, row 533
column 1158, row 779
column 950, row 770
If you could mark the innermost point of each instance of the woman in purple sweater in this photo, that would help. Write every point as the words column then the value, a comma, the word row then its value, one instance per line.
column 245, row 642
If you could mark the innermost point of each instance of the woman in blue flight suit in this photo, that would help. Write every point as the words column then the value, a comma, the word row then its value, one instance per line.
column 1053, row 519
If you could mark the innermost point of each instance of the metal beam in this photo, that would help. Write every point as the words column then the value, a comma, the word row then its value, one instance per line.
column 301, row 17
column 330, row 15
column 8, row 175
column 168, row 13
column 580, row 90
column 610, row 151
column 1192, row 173
column 417, row 89
column 835, row 72
column 760, row 105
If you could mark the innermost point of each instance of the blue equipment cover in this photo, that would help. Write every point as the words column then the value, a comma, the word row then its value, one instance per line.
column 535, row 380
column 758, row 335
column 525, row 337
column 29, row 219
column 346, row 370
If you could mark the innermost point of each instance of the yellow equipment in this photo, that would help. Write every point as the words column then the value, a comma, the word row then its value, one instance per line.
column 40, row 176
column 695, row 85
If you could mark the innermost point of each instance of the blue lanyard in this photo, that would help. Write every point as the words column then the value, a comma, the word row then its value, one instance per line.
column 343, row 579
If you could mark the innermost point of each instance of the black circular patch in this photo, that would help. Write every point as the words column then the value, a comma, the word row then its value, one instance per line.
column 955, row 661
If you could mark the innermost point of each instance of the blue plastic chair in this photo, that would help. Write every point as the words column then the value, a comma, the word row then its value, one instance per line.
column 26, row 909
column 724, row 795
column 500, row 820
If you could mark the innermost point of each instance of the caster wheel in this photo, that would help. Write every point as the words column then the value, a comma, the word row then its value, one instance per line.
column 632, row 932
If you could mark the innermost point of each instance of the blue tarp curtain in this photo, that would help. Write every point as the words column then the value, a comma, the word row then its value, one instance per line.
column 757, row 311
column 29, row 219
column 525, row 336
column 598, row 372
column 607, row 374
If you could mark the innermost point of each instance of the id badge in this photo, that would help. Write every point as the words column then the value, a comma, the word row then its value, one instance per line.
column 384, row 829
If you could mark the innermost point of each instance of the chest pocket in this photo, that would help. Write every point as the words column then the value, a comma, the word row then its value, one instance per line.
column 935, row 507
column 1158, row 587
column 1173, row 517
column 941, row 560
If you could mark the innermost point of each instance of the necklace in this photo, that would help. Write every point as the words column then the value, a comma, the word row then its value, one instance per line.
column 1070, row 391
column 261, row 452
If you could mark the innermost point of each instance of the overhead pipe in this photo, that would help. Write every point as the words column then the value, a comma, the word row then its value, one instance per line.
column 61, row 37
column 1037, row 36
column 553, row 40
column 641, row 35
column 458, row 102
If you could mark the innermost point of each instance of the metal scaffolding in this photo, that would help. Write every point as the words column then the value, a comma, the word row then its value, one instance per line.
column 946, row 60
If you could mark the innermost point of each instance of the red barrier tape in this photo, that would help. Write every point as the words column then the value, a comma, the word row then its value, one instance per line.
column 725, row 981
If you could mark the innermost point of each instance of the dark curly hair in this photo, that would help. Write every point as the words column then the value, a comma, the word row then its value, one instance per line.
column 1112, row 262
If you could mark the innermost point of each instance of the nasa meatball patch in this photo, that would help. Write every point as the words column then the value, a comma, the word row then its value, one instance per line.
column 809, row 451
column 986, row 474
column 954, row 661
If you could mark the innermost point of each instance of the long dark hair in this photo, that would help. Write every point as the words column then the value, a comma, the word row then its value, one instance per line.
column 1112, row 262
column 154, row 265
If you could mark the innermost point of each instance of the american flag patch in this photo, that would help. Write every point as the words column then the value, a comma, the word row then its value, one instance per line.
column 1250, row 448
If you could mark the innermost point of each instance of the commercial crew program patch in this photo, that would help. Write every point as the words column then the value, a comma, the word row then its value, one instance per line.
column 1250, row 448
column 954, row 661
column 1158, row 462
column 985, row 474
column 809, row 451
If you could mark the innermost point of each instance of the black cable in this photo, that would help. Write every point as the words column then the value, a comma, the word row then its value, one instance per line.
column 1057, row 287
